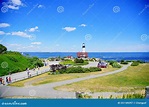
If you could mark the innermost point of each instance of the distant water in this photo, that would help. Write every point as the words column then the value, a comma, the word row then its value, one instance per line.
column 143, row 56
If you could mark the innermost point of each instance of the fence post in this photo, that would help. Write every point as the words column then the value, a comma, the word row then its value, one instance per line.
column 147, row 92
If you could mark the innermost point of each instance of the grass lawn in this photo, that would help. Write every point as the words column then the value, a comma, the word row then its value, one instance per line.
column 134, row 78
column 45, row 78
column 73, row 63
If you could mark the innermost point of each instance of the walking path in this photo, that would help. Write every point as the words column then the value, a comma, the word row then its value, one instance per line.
column 23, row 75
column 47, row 90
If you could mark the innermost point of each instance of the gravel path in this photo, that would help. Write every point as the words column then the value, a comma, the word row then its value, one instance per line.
column 47, row 90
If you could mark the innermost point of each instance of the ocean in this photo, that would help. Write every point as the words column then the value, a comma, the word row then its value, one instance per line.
column 143, row 56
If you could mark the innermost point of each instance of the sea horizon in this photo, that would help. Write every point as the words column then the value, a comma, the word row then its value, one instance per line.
column 143, row 56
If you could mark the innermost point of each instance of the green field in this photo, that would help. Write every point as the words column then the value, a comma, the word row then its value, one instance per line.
column 133, row 79
column 12, row 62
column 46, row 78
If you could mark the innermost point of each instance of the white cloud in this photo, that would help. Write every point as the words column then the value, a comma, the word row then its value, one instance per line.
column 41, row 6
column 83, row 25
column 13, row 7
column 21, row 34
column 36, row 43
column 33, row 29
column 17, row 2
column 13, row 4
column 4, row 25
column 69, row 29
column 2, row 33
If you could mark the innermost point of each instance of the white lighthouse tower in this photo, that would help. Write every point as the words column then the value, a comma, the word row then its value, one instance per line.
column 83, row 47
column 82, row 54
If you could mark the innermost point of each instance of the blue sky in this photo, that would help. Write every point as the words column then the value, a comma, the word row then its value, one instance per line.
column 63, row 25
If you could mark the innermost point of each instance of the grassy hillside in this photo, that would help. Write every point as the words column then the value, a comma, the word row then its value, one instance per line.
column 15, row 62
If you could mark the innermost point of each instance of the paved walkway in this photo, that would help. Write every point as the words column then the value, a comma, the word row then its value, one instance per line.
column 47, row 90
column 91, row 64
column 23, row 75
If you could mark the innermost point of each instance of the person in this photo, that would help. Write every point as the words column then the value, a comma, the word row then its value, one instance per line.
column 0, row 80
column 37, row 72
column 9, row 79
column 29, row 74
column 3, row 81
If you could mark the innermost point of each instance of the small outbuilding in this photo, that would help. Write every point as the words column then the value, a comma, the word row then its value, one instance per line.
column 102, row 65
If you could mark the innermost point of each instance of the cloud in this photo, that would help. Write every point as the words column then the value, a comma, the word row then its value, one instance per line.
column 83, row 25
column 13, row 4
column 4, row 25
column 36, row 43
column 21, row 34
column 33, row 29
column 41, row 6
column 16, row 2
column 13, row 7
column 2, row 33
column 69, row 29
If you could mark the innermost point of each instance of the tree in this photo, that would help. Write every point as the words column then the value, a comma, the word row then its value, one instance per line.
column 3, row 49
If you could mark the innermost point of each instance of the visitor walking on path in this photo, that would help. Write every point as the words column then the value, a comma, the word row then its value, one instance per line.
column 28, row 72
column 9, row 79
column 0, row 80
column 3, row 81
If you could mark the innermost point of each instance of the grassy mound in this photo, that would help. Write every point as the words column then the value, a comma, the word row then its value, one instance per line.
column 12, row 62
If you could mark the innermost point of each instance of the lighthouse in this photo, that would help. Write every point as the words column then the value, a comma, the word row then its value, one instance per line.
column 82, row 54
column 83, row 47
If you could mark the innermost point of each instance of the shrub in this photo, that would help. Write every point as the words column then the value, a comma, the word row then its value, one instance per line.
column 3, row 49
column 84, row 96
column 79, row 60
column 79, row 70
column 140, row 61
column 74, row 70
column 124, row 62
column 135, row 63
column 62, row 71
column 111, row 62
column 85, row 70
column 116, row 65
column 94, row 69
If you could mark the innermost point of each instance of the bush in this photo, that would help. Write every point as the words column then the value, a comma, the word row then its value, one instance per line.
column 124, row 62
column 84, row 96
column 79, row 70
column 79, row 60
column 3, row 49
column 135, row 63
column 86, row 70
column 94, row 69
column 116, row 65
column 140, row 61
column 111, row 62
column 74, row 70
